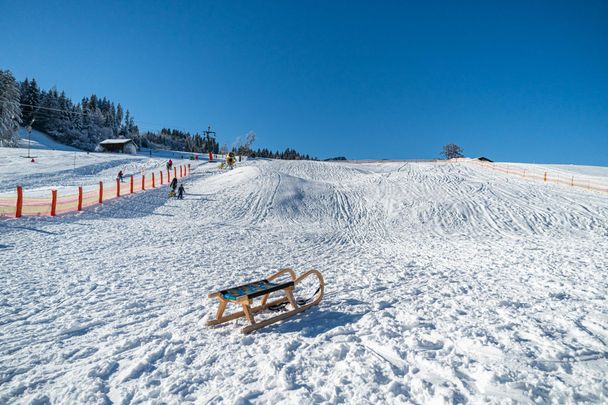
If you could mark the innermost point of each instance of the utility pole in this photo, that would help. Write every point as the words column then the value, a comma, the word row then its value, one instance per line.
column 29, row 137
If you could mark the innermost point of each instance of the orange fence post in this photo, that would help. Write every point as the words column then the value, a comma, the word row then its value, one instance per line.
column 19, row 207
column 174, row 171
column 53, row 203
column 143, row 181
column 168, row 176
column 161, row 177
column 545, row 176
column 101, row 192
column 131, row 184
column 117, row 188
column 79, row 198
column 153, row 185
column 181, row 174
column 210, row 156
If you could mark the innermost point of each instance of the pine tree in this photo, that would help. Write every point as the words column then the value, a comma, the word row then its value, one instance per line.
column 10, row 110
column 124, row 132
column 119, row 114
column 30, row 99
column 48, row 116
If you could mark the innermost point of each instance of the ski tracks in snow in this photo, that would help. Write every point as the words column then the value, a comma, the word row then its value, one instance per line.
column 445, row 283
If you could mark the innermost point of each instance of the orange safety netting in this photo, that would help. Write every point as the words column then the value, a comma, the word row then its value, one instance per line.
column 548, row 176
column 8, row 206
column 55, row 204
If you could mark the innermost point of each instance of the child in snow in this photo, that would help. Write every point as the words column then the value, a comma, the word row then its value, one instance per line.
column 120, row 177
column 173, row 184
column 180, row 192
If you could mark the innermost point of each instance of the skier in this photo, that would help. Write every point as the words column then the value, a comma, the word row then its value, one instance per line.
column 180, row 192
column 120, row 177
column 170, row 164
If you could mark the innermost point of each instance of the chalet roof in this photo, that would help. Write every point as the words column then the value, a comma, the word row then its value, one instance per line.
column 116, row 141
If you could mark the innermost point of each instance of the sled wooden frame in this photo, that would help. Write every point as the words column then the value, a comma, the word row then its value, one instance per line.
column 246, row 300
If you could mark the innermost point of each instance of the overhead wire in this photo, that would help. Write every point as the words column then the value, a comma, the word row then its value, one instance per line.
column 47, row 114
column 88, row 113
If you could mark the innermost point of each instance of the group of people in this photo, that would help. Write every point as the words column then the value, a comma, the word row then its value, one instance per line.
column 173, row 185
column 180, row 191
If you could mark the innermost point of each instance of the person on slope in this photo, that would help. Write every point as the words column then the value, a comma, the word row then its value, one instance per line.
column 172, row 187
column 180, row 192
column 121, row 177
column 169, row 164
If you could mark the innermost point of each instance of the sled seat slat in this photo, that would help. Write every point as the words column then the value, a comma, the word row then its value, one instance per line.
column 253, row 290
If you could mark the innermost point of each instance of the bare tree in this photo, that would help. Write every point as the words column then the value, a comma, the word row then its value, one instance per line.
column 452, row 151
column 249, row 139
column 242, row 144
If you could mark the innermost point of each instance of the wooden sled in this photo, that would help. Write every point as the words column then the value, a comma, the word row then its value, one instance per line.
column 244, row 295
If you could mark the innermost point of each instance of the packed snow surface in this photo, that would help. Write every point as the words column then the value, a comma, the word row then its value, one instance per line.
column 65, row 170
column 445, row 282
column 35, row 139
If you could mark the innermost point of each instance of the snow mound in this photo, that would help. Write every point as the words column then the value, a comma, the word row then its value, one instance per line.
column 228, row 179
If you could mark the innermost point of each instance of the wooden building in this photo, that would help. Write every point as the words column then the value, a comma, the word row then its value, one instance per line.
column 118, row 146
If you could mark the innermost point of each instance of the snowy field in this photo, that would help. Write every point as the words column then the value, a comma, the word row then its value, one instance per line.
column 445, row 283
column 597, row 176
column 58, row 166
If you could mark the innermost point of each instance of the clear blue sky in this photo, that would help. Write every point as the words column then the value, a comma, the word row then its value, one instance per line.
column 514, row 81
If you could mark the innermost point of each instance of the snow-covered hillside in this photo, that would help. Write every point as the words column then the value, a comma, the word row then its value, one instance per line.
column 40, row 140
column 444, row 283
column 61, row 169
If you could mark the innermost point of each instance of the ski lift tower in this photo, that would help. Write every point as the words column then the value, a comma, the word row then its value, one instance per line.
column 29, row 139
column 207, row 138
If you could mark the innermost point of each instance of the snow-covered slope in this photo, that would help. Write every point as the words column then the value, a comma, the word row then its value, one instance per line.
column 40, row 140
column 62, row 169
column 582, row 175
column 60, row 166
column 445, row 283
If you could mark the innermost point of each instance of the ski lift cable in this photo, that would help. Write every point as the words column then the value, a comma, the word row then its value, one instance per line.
column 156, row 125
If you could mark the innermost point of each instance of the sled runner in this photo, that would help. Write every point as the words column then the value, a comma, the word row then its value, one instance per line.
column 244, row 295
